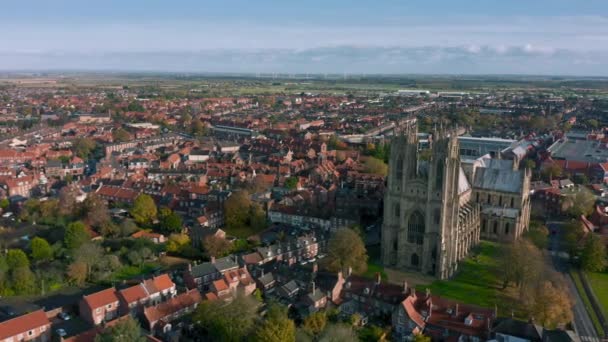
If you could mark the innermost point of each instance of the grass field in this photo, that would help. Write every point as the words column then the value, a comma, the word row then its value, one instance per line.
column 581, row 290
column 599, row 284
column 476, row 282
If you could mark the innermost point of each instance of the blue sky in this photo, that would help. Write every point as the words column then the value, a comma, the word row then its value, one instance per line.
column 458, row 37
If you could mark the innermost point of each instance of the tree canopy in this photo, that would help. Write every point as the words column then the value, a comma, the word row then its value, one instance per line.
column 75, row 235
column 593, row 255
column 41, row 249
column 144, row 209
column 227, row 322
column 346, row 249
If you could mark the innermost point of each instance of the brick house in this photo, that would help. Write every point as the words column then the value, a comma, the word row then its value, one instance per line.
column 172, row 309
column 34, row 326
column 100, row 306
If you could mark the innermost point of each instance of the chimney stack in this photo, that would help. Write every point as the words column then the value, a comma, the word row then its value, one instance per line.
column 213, row 260
column 378, row 278
column 190, row 267
column 405, row 288
column 350, row 271
column 456, row 310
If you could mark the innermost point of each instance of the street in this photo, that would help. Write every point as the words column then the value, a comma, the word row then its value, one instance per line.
column 582, row 322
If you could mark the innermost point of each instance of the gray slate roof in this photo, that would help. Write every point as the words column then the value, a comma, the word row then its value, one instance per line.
column 504, row 180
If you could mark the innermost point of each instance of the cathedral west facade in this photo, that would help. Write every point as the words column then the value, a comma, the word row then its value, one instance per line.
column 435, row 212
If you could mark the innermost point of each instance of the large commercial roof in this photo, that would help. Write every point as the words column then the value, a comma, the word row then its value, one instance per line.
column 580, row 150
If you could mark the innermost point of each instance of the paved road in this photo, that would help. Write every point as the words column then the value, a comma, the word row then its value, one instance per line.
column 582, row 322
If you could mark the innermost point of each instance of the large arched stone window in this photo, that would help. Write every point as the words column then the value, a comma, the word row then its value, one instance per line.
column 399, row 169
column 415, row 228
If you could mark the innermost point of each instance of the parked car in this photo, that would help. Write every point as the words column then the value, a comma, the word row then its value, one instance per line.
column 64, row 316
column 61, row 332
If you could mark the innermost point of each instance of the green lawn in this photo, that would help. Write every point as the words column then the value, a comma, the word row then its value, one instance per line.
column 374, row 263
column 476, row 282
column 599, row 285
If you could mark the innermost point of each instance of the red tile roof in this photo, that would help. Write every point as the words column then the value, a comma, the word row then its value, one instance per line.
column 101, row 298
column 23, row 324
column 173, row 305
column 133, row 293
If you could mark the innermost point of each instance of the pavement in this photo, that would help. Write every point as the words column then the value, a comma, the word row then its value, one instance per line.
column 582, row 321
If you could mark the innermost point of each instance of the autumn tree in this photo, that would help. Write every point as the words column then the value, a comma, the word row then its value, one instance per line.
column 41, row 250
column 277, row 327
column 538, row 234
column 315, row 323
column 177, row 243
column 550, row 305
column 236, row 209
column 95, row 210
column 83, row 147
column 67, row 200
column 375, row 166
column 346, row 249
column 144, row 209
column 75, row 235
column 120, row 135
column 519, row 263
column 593, row 255
column 216, row 246
column 78, row 272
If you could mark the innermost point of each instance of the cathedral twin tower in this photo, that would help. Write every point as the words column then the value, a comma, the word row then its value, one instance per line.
column 433, row 216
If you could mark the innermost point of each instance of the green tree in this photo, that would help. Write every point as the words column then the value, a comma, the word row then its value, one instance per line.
column 593, row 123
column 170, row 222
column 41, row 250
column 291, row 182
column 4, row 203
column 372, row 333
column 16, row 258
column 144, row 209
column 126, row 330
column 582, row 203
column 573, row 233
column 24, row 281
column 75, row 235
column 421, row 338
column 593, row 255
column 231, row 322
column 83, row 147
column 552, row 171
column 530, row 164
column 346, row 249
column 277, row 327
